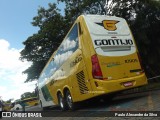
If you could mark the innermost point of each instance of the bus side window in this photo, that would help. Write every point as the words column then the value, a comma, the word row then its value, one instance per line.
column 52, row 67
column 72, row 39
column 68, row 47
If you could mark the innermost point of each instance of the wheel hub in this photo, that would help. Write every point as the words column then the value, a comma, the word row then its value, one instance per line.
column 69, row 100
column 61, row 103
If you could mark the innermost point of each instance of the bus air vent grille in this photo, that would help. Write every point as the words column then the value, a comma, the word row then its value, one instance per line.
column 81, row 82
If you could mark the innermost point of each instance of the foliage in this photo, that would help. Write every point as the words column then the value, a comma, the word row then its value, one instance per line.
column 40, row 46
column 74, row 8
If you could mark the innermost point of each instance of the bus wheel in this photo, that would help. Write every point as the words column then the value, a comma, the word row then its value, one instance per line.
column 71, row 105
column 62, row 102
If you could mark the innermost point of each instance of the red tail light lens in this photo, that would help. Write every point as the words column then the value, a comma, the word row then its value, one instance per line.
column 140, row 60
column 96, row 70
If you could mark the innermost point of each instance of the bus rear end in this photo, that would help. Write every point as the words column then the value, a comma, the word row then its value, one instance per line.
column 115, row 62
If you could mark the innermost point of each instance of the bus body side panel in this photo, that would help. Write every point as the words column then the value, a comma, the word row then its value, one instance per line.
column 84, row 70
column 78, row 81
column 58, row 80
column 72, row 75
column 74, row 78
column 45, row 97
column 88, row 51
column 55, row 86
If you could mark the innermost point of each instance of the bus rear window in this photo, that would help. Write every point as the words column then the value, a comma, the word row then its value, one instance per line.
column 115, row 48
column 110, row 36
column 106, row 25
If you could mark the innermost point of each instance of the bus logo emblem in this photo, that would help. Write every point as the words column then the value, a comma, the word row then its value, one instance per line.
column 110, row 24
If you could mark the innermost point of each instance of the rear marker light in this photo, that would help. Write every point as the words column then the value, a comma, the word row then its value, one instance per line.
column 96, row 70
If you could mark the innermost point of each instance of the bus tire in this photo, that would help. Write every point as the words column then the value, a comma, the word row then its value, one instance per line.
column 17, row 108
column 62, row 102
column 71, row 105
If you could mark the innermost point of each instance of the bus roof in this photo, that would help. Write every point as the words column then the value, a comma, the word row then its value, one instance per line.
column 106, row 25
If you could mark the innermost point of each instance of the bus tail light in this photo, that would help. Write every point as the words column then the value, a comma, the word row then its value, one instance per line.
column 140, row 60
column 96, row 70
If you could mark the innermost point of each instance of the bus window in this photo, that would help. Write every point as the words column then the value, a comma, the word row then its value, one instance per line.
column 69, row 45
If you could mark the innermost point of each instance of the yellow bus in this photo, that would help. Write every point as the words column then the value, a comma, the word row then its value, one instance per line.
column 98, row 56
column 19, row 105
column 32, row 101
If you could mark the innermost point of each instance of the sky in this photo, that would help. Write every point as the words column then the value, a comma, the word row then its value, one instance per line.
column 15, row 27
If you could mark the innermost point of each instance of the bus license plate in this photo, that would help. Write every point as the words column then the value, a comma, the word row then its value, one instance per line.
column 127, row 84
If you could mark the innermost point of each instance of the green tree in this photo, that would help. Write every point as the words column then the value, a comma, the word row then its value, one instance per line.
column 146, row 29
column 74, row 8
column 40, row 46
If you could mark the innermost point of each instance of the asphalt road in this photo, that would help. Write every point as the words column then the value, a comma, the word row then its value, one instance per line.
column 143, row 103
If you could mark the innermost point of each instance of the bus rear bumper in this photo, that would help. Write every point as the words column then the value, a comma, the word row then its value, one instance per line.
column 109, row 86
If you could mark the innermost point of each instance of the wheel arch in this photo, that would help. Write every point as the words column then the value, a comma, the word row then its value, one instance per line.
column 58, row 92
column 65, row 89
